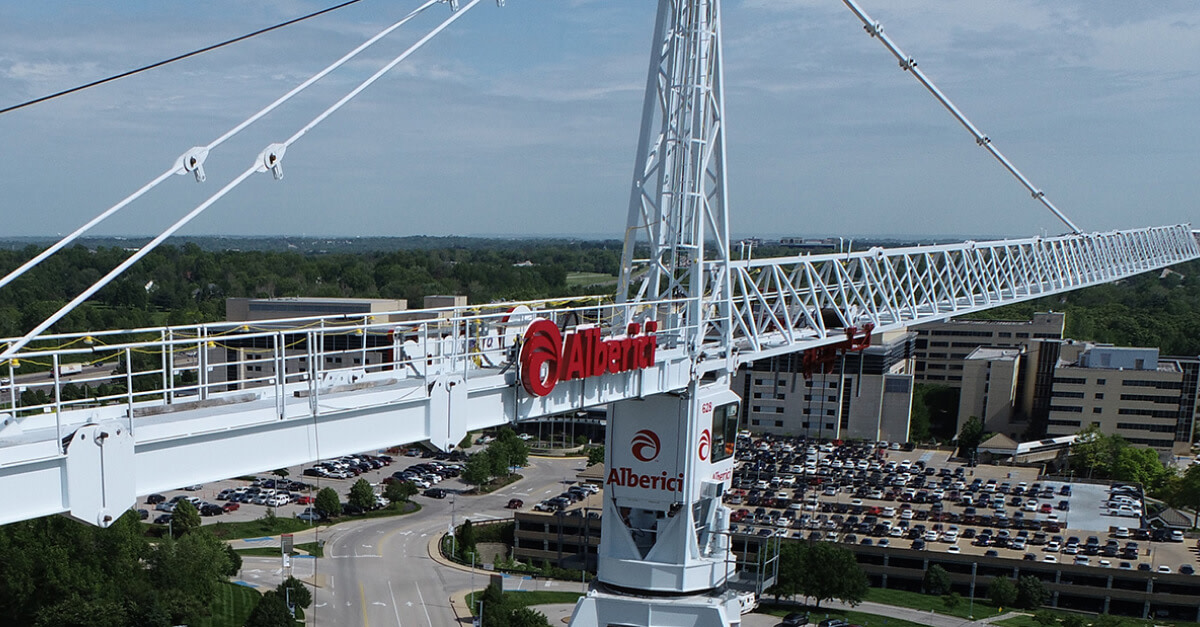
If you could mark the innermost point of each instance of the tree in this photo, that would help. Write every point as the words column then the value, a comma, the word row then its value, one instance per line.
column 1046, row 618
column 292, row 589
column 328, row 503
column 280, row 472
column 791, row 570
column 951, row 600
column 466, row 538
column 399, row 491
column 362, row 494
column 1002, row 591
column 1073, row 620
column 1107, row 620
column 595, row 455
column 831, row 572
column 936, row 581
column 1031, row 593
column 497, row 610
column 1185, row 492
column 969, row 437
column 527, row 617
column 186, row 572
column 478, row 469
column 271, row 611
column 184, row 518
column 235, row 561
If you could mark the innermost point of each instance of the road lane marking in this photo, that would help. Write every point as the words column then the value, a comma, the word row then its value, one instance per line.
column 395, row 610
column 362, row 594
column 423, row 606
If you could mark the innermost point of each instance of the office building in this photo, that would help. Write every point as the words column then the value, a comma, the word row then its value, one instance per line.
column 865, row 395
column 941, row 347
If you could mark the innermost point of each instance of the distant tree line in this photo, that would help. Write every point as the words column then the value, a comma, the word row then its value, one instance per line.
column 187, row 284
column 1156, row 309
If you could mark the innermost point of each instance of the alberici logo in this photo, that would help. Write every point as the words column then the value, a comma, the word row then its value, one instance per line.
column 548, row 357
column 705, row 445
column 539, row 357
column 645, row 445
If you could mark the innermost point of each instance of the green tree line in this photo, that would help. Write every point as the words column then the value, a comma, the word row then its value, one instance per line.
column 56, row 571
column 1158, row 309
column 187, row 284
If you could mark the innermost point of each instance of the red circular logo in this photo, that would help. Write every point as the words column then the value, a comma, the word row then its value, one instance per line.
column 645, row 445
column 705, row 444
column 539, row 357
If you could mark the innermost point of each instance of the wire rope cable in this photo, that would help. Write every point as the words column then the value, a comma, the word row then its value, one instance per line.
column 909, row 64
column 269, row 159
column 186, row 55
column 182, row 166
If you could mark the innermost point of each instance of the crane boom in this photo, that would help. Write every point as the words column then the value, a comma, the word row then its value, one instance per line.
column 206, row 402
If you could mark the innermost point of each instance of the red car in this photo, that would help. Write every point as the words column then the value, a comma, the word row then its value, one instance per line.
column 305, row 500
column 230, row 506
column 515, row 504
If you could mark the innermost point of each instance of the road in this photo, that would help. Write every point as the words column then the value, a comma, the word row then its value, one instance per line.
column 379, row 573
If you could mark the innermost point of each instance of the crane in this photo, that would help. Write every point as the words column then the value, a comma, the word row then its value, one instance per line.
column 204, row 402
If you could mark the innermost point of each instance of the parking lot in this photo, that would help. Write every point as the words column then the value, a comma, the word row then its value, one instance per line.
column 882, row 495
column 298, row 487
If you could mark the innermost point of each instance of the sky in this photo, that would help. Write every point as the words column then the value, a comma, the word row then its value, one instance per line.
column 523, row 120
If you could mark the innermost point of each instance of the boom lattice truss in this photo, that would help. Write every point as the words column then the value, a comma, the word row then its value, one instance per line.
column 331, row 386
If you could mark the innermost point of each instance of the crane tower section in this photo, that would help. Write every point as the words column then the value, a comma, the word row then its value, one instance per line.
column 678, row 212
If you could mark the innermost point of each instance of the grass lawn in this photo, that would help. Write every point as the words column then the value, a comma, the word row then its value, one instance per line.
column 231, row 607
column 263, row 527
column 312, row 548
column 855, row 617
column 1126, row 621
column 265, row 551
column 534, row 597
column 496, row 484
column 917, row 601
column 256, row 528
column 588, row 279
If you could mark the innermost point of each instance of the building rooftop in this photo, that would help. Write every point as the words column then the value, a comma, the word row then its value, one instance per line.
column 995, row 354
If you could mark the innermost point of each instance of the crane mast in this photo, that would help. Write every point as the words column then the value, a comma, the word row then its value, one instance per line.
column 664, row 555
column 678, row 202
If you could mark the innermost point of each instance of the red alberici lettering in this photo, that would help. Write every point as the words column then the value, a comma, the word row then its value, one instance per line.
column 547, row 357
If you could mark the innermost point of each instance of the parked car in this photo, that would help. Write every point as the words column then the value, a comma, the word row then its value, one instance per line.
column 155, row 499
column 435, row 493
column 795, row 619
column 164, row 519
column 231, row 506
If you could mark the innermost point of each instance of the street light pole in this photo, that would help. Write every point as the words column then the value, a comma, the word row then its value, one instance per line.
column 971, row 608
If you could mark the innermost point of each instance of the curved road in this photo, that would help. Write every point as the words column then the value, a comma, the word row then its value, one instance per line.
column 379, row 573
